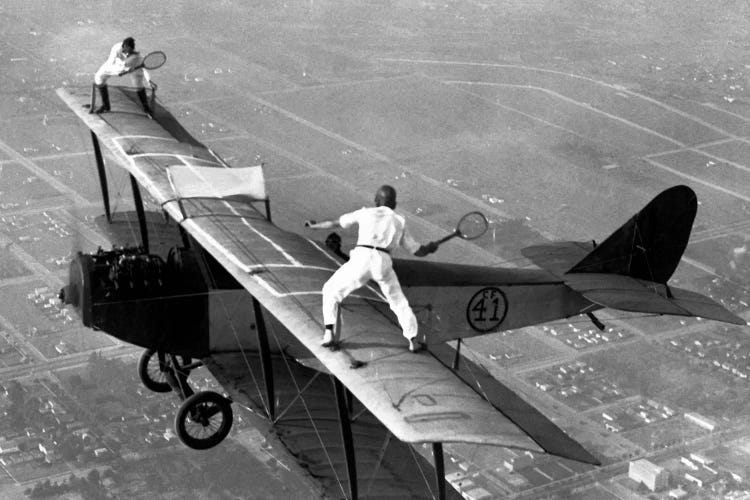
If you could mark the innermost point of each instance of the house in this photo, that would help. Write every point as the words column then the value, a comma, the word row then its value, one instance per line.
column 701, row 421
column 476, row 494
column 653, row 476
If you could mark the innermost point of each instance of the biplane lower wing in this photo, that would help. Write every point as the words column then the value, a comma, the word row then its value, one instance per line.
column 307, row 425
column 419, row 399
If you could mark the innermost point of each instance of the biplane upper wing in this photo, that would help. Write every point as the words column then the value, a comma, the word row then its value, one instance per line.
column 417, row 397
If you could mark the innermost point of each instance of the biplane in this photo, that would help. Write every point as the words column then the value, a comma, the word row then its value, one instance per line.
column 242, row 297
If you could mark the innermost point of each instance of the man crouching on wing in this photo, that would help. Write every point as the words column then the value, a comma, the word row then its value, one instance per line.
column 380, row 231
column 123, row 59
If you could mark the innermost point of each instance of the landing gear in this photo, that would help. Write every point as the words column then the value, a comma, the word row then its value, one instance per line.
column 153, row 371
column 204, row 418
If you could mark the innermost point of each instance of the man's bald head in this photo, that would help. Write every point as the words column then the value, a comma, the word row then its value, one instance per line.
column 385, row 197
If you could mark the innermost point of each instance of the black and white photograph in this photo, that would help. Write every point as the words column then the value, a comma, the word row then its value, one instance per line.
column 375, row 249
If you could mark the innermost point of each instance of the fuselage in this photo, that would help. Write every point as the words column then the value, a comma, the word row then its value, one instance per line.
column 458, row 301
column 198, row 308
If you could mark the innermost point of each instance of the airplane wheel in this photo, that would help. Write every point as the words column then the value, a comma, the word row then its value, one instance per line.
column 203, row 420
column 152, row 371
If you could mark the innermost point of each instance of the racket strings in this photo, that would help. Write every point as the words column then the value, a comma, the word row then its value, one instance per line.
column 472, row 225
column 154, row 60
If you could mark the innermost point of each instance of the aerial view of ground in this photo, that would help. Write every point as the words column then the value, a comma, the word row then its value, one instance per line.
column 557, row 119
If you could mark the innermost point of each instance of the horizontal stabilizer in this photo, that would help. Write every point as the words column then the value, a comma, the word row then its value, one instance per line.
column 558, row 257
column 630, row 294
column 703, row 307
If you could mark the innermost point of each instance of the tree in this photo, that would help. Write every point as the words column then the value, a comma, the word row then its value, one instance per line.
column 76, row 382
column 94, row 476
column 36, row 491
column 15, row 392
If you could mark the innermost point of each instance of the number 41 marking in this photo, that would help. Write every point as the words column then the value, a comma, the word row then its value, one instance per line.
column 486, row 309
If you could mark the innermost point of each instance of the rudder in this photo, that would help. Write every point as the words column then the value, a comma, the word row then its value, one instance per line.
column 650, row 245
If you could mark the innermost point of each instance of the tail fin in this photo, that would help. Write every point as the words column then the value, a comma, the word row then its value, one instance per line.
column 650, row 245
column 630, row 269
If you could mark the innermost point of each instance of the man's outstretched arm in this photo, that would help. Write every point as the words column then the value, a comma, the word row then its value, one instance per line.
column 408, row 242
column 326, row 224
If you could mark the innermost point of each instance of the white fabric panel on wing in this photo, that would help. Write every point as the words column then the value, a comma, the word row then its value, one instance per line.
column 191, row 181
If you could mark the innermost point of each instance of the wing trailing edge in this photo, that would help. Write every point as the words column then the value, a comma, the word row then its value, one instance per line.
column 533, row 422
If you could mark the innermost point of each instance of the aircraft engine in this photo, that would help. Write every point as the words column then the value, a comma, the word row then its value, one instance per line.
column 141, row 299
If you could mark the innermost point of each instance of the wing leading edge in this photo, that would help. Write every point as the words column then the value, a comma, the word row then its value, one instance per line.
column 416, row 397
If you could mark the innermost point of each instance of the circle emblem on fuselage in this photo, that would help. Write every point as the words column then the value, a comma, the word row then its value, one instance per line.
column 487, row 309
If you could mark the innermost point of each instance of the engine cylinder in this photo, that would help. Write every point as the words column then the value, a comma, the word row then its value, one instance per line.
column 139, row 298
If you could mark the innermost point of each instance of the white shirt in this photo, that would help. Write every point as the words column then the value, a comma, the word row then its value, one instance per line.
column 119, row 62
column 116, row 57
column 380, row 227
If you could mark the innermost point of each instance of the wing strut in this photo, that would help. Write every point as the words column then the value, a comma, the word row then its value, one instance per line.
column 437, row 453
column 102, row 175
column 184, row 236
column 267, row 203
column 139, row 210
column 265, row 359
column 346, row 436
column 457, row 357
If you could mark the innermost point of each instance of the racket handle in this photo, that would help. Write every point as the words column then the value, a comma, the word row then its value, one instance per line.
column 446, row 238
column 130, row 70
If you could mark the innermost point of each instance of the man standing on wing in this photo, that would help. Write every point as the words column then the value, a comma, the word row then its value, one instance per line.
column 380, row 231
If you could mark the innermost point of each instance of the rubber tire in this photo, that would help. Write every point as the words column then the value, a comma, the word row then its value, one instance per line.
column 145, row 376
column 191, row 404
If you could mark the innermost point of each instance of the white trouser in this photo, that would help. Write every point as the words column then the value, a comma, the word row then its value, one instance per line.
column 137, row 78
column 368, row 264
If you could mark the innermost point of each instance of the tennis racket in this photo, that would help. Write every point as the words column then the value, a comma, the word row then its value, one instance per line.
column 470, row 227
column 153, row 60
